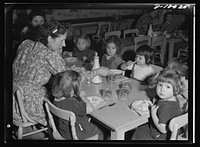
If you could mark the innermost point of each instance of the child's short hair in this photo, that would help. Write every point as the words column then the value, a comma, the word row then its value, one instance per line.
column 147, row 52
column 84, row 37
column 64, row 82
column 113, row 39
column 175, row 63
column 173, row 77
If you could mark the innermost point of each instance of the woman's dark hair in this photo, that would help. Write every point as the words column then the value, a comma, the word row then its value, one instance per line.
column 113, row 39
column 64, row 83
column 145, row 51
column 33, row 13
column 41, row 33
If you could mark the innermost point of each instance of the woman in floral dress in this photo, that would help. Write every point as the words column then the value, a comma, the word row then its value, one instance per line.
column 37, row 59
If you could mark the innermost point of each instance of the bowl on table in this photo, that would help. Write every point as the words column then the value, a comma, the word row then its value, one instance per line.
column 118, row 73
column 141, row 105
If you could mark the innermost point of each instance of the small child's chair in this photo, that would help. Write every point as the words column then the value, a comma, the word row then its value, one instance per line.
column 175, row 124
column 64, row 114
column 26, row 121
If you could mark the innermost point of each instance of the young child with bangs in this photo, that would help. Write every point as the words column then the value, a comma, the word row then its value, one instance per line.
column 111, row 58
column 68, row 96
column 141, row 68
column 168, row 86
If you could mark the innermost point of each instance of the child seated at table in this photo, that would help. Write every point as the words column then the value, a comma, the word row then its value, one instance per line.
column 141, row 68
column 111, row 58
column 175, row 63
column 68, row 96
column 168, row 86
column 82, row 50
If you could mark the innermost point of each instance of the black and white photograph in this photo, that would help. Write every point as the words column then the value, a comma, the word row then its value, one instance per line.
column 99, row 73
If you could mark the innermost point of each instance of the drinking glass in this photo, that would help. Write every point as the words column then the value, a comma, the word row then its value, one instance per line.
column 123, row 95
column 106, row 94
column 110, row 78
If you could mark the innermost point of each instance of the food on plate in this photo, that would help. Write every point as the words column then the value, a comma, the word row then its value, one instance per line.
column 142, row 105
column 94, row 100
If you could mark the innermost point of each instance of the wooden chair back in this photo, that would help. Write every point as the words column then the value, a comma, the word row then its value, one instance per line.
column 111, row 33
column 26, row 120
column 141, row 40
column 133, row 32
column 175, row 124
column 66, row 115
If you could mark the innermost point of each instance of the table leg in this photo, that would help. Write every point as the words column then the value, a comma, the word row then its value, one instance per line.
column 117, row 135
column 171, row 50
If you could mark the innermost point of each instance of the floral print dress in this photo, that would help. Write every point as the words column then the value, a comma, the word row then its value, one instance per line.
column 32, row 69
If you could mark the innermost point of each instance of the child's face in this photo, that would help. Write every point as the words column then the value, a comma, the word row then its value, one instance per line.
column 81, row 44
column 164, row 90
column 111, row 49
column 140, row 60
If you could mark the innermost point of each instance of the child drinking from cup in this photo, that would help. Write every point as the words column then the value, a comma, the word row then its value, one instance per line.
column 111, row 58
column 68, row 96
column 166, row 107
column 141, row 68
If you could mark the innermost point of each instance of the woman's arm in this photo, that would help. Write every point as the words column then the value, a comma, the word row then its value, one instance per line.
column 161, row 127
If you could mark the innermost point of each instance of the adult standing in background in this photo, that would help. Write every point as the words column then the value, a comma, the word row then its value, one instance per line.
column 35, row 17
column 143, row 23
column 36, row 61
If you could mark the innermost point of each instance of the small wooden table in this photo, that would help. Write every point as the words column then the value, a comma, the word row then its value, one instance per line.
column 118, row 118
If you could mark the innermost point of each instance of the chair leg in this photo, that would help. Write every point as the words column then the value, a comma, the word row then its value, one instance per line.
column 19, row 133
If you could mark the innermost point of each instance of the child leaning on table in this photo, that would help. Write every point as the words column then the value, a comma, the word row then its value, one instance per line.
column 111, row 58
column 68, row 96
column 141, row 68
column 168, row 86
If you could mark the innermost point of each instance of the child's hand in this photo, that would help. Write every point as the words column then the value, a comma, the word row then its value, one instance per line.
column 82, row 94
column 84, row 59
column 128, row 63
column 154, row 109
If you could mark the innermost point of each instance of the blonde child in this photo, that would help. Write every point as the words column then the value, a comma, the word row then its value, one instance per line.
column 166, row 107
column 82, row 50
column 111, row 58
column 141, row 68
column 68, row 96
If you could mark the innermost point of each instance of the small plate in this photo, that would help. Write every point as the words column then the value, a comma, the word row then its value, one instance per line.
column 141, row 105
column 95, row 100
column 117, row 72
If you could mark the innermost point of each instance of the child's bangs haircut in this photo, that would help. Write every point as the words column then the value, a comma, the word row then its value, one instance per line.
column 113, row 39
column 145, row 51
column 173, row 77
column 86, row 38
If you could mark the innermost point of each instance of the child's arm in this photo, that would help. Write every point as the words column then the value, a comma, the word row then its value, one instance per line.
column 127, row 65
column 159, row 126
column 89, row 107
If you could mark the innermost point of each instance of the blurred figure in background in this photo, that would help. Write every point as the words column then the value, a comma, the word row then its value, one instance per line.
column 35, row 17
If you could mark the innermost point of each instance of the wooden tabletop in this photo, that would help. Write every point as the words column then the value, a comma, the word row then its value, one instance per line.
column 118, row 118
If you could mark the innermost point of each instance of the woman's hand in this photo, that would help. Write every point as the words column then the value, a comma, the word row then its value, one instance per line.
column 104, row 71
